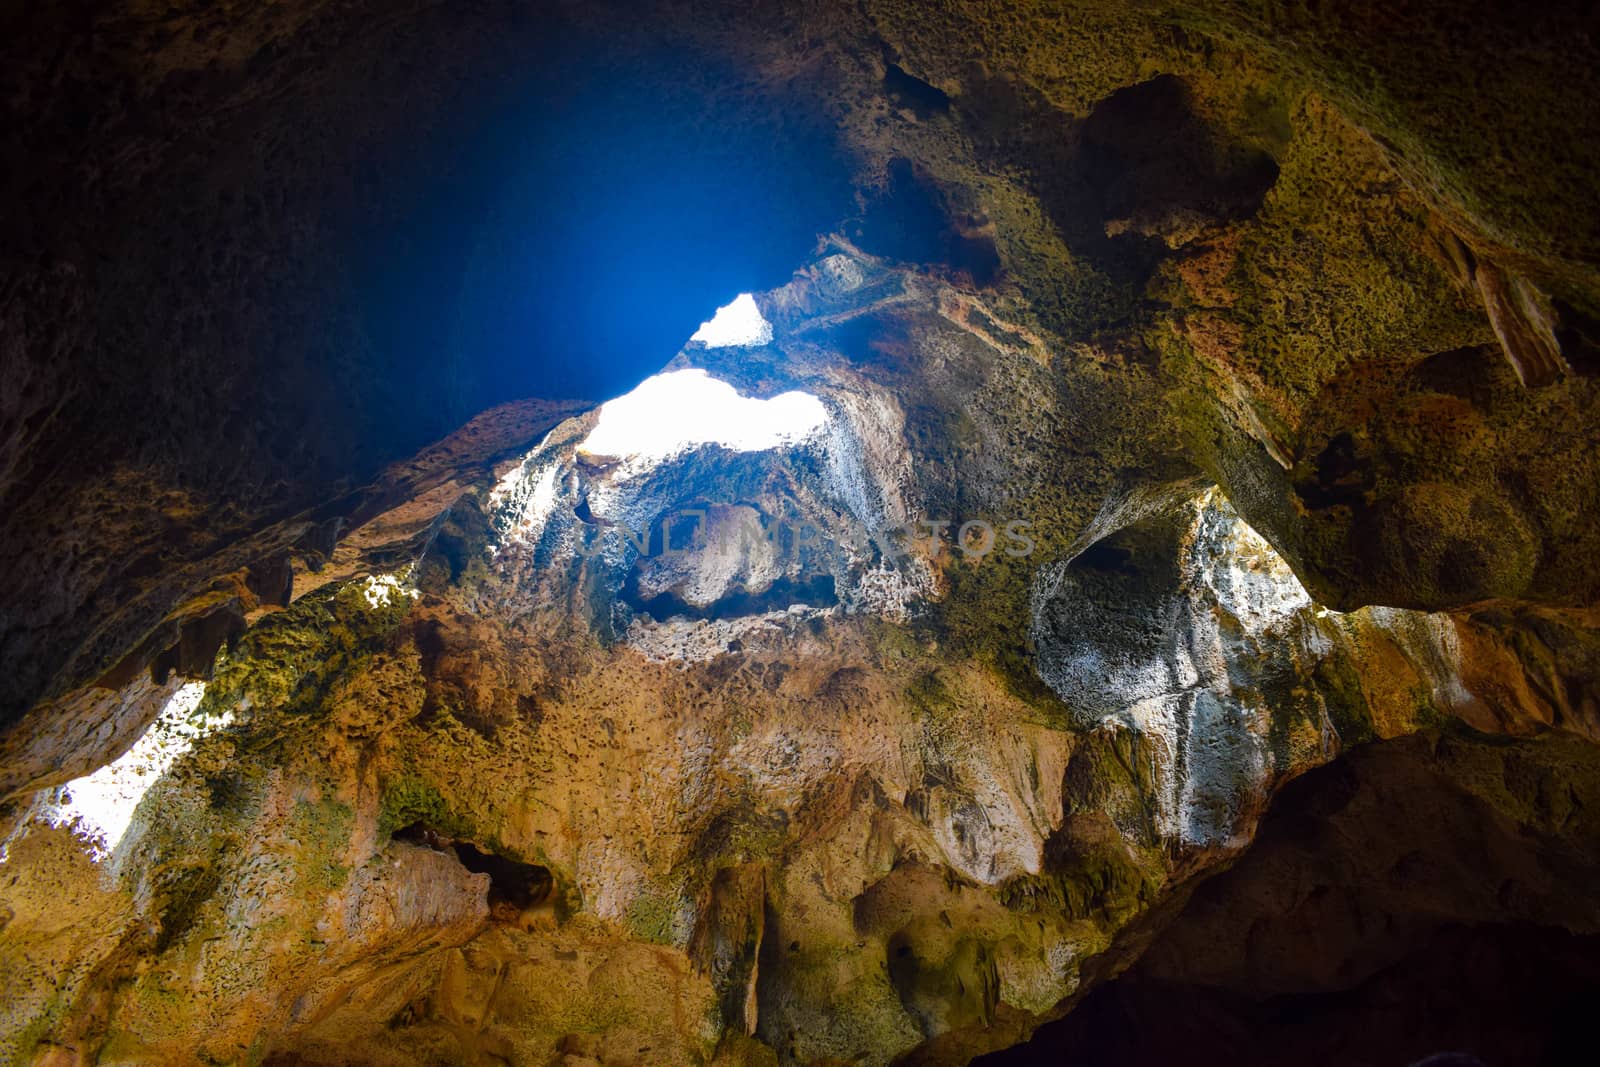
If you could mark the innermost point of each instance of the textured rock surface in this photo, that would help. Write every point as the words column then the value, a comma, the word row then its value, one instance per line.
column 1391, row 899
column 1209, row 399
column 760, row 738
column 1255, row 201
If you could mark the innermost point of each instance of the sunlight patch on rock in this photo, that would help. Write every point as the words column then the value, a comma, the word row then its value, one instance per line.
column 99, row 807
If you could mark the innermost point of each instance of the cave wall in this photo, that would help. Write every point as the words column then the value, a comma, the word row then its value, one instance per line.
column 863, row 827
column 1413, row 899
column 1221, row 186
column 1182, row 284
column 260, row 261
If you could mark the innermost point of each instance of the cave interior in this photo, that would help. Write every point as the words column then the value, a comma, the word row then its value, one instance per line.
column 792, row 535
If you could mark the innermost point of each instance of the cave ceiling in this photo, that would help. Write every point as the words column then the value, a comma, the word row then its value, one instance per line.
column 1150, row 542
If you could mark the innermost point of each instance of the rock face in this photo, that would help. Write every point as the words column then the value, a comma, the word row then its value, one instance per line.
column 1394, row 892
column 1206, row 649
column 701, row 751
column 1143, row 552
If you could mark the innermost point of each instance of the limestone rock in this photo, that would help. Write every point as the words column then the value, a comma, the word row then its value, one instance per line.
column 1191, row 501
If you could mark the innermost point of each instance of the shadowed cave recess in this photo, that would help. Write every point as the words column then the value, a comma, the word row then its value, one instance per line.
column 792, row 535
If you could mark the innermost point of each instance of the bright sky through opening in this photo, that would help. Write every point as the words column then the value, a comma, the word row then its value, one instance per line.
column 739, row 323
column 678, row 410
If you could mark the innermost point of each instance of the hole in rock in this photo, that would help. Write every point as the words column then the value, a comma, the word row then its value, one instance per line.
column 908, row 90
column 914, row 219
column 584, row 224
column 1342, row 476
column 1105, row 556
column 1579, row 336
column 513, row 885
column 737, row 324
column 679, row 410
column 1149, row 153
